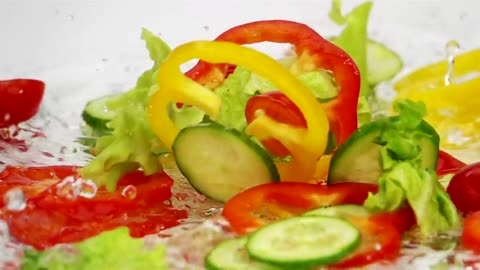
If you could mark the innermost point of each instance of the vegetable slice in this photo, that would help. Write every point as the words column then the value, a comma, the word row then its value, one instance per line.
column 221, row 162
column 347, row 166
column 232, row 255
column 19, row 100
column 97, row 114
column 264, row 204
column 304, row 241
column 382, row 63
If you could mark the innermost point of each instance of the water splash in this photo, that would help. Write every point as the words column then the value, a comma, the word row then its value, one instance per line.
column 15, row 200
column 452, row 48
column 71, row 188
column 129, row 192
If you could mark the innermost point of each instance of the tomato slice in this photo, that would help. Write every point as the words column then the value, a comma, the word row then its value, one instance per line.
column 263, row 204
column 50, row 219
column 379, row 242
column 19, row 100
column 448, row 163
column 280, row 108
column 471, row 233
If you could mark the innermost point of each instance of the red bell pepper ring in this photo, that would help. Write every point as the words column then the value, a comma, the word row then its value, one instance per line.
column 342, row 110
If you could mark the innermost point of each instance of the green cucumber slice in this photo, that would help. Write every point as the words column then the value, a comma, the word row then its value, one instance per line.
column 221, row 162
column 304, row 241
column 382, row 63
column 358, row 159
column 232, row 255
column 342, row 210
column 97, row 114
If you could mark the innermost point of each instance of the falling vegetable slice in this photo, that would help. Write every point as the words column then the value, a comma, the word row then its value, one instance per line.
column 221, row 162
column 450, row 92
column 19, row 100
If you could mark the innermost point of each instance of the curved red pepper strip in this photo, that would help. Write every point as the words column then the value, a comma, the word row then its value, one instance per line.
column 341, row 111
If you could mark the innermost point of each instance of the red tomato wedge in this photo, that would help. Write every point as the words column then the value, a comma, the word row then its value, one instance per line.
column 280, row 108
column 464, row 189
column 19, row 100
column 263, row 204
column 471, row 232
column 448, row 163
column 49, row 219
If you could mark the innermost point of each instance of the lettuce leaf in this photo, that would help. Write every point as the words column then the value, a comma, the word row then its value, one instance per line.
column 404, row 179
column 109, row 250
column 132, row 143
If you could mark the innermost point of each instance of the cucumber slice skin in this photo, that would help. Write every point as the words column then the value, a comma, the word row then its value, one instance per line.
column 232, row 255
column 97, row 115
column 358, row 159
column 221, row 162
column 288, row 242
column 341, row 210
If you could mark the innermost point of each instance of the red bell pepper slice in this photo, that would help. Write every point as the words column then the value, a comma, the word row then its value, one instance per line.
column 342, row 110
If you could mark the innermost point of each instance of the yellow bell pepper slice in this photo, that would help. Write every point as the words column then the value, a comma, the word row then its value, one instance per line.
column 454, row 108
column 306, row 145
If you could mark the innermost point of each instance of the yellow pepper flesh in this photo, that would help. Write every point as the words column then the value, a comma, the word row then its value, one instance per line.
column 305, row 145
column 451, row 108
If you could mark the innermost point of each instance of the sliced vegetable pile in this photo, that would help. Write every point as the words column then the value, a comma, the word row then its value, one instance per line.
column 307, row 177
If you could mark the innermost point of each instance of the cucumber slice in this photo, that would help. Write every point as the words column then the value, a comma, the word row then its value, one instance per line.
column 382, row 63
column 358, row 159
column 342, row 210
column 220, row 162
column 304, row 241
column 96, row 113
column 232, row 255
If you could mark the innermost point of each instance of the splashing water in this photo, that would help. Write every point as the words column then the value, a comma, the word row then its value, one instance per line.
column 11, row 253
column 452, row 48
column 15, row 200
column 72, row 187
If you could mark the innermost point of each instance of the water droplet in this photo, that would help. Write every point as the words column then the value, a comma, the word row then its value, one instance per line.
column 15, row 200
column 67, row 188
column 211, row 212
column 206, row 27
column 129, row 192
column 452, row 49
column 88, row 189
column 7, row 117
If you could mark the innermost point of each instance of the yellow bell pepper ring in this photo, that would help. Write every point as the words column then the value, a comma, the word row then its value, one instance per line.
column 305, row 145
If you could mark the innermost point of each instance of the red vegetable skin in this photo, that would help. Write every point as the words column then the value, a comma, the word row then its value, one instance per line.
column 19, row 100
column 260, row 205
column 448, row 163
column 464, row 188
column 471, row 232
column 50, row 219
column 342, row 110
column 378, row 242
column 279, row 107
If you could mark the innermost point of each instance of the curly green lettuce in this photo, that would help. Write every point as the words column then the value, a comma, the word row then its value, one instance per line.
column 405, row 180
column 109, row 250
column 131, row 144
